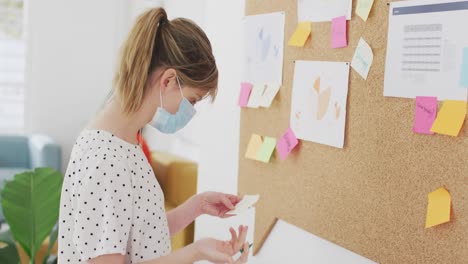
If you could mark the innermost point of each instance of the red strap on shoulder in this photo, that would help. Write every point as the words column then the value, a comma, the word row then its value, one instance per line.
column 144, row 146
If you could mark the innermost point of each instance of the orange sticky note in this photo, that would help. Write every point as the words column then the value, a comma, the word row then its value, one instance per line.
column 450, row 118
column 299, row 38
column 438, row 207
column 255, row 144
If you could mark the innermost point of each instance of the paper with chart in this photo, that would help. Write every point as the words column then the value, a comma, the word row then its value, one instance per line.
column 318, row 106
column 464, row 69
column 426, row 40
column 245, row 204
column 323, row 10
column 263, row 48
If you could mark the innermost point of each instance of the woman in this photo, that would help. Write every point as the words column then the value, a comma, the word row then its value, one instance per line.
column 112, row 207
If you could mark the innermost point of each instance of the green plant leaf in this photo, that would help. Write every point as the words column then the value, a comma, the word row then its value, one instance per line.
column 31, row 204
column 9, row 252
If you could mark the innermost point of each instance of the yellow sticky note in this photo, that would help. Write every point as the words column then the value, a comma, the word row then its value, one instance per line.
column 299, row 38
column 265, row 152
column 438, row 207
column 450, row 118
column 363, row 8
column 254, row 146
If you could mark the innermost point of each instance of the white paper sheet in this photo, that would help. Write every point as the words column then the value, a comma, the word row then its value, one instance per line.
column 319, row 96
column 269, row 94
column 256, row 96
column 287, row 243
column 425, row 46
column 245, row 204
column 362, row 59
column 323, row 10
column 263, row 48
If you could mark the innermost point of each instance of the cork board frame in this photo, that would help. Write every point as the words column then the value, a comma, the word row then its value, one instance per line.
column 371, row 196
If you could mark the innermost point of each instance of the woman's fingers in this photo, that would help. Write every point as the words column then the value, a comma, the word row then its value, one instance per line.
column 245, row 254
column 243, row 235
column 233, row 235
column 234, row 198
column 236, row 246
column 226, row 202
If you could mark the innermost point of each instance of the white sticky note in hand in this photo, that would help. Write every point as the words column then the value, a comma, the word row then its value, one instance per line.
column 245, row 204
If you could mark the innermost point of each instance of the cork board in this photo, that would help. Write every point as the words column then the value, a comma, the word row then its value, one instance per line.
column 371, row 196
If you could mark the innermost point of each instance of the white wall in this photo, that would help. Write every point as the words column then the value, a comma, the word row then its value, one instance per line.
column 218, row 168
column 71, row 52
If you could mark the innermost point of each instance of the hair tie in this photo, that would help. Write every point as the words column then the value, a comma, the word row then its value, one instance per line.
column 163, row 21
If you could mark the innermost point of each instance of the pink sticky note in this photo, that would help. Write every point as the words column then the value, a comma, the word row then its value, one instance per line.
column 338, row 36
column 246, row 88
column 286, row 144
column 424, row 114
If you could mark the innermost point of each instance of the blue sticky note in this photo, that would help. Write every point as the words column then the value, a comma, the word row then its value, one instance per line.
column 464, row 69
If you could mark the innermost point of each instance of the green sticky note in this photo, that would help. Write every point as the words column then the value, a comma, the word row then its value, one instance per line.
column 266, row 150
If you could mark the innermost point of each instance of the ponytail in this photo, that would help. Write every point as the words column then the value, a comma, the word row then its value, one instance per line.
column 132, row 73
column 155, row 42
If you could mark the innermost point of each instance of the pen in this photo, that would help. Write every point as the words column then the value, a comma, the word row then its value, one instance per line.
column 242, row 249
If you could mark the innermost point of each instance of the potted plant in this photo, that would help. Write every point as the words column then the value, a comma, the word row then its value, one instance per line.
column 30, row 203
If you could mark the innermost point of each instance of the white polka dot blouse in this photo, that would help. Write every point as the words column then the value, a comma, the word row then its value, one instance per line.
column 111, row 202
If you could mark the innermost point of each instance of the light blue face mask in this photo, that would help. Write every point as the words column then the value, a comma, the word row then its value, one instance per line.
column 170, row 123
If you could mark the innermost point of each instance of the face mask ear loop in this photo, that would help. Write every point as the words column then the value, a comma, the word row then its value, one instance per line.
column 160, row 98
column 180, row 87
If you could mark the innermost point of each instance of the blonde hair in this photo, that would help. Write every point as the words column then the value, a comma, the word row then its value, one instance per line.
column 157, row 43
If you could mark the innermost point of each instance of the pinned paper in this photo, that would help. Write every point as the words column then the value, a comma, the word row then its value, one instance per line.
column 363, row 8
column 256, row 95
column 245, row 204
column 338, row 36
column 464, row 69
column 266, row 150
column 300, row 35
column 246, row 88
column 362, row 59
column 255, row 144
column 424, row 114
column 269, row 94
column 450, row 118
column 286, row 144
column 438, row 207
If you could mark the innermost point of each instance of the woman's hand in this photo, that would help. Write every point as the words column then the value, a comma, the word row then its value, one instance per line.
column 217, row 204
column 217, row 251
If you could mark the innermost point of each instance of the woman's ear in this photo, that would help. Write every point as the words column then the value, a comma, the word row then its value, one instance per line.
column 168, row 79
